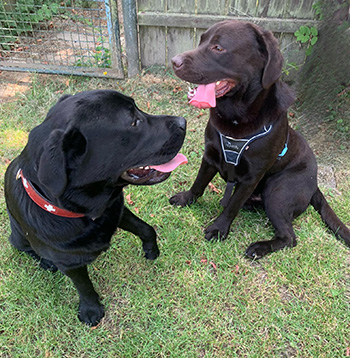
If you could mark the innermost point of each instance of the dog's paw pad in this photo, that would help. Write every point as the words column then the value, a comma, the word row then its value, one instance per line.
column 257, row 250
column 91, row 315
column 151, row 254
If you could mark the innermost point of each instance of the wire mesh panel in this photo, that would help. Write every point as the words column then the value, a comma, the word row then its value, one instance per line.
column 64, row 37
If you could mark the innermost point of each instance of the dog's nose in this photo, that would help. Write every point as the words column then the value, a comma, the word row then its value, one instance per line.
column 175, row 123
column 181, row 123
column 177, row 62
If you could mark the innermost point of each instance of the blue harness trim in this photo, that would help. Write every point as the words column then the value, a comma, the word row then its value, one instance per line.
column 285, row 149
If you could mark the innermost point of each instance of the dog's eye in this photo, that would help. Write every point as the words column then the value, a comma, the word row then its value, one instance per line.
column 217, row 48
column 136, row 122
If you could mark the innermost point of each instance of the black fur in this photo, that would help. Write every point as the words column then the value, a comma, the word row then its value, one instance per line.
column 75, row 158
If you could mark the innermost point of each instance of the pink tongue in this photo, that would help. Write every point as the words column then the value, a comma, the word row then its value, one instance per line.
column 204, row 97
column 170, row 166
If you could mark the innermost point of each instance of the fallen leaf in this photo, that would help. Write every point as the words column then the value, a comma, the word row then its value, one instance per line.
column 94, row 327
column 204, row 261
column 137, row 210
column 188, row 262
column 128, row 199
column 213, row 188
column 213, row 265
column 177, row 89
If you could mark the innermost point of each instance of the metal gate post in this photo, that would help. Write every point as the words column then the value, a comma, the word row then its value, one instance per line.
column 131, row 37
column 114, row 34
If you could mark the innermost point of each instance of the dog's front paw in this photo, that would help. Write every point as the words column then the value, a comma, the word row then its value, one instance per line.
column 183, row 198
column 91, row 314
column 258, row 249
column 151, row 251
column 215, row 232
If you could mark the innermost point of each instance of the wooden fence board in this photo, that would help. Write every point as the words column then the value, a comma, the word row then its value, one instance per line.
column 275, row 8
column 152, row 45
column 153, row 5
column 292, row 51
column 204, row 21
column 243, row 8
column 211, row 7
column 180, row 6
column 179, row 40
column 301, row 9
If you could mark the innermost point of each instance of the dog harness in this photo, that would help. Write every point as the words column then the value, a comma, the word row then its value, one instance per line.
column 233, row 149
column 42, row 202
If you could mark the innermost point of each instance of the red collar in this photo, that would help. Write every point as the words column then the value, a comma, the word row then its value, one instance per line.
column 42, row 202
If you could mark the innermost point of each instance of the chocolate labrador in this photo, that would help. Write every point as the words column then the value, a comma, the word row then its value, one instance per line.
column 237, row 67
column 64, row 192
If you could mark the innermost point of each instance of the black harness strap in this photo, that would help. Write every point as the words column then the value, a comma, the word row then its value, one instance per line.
column 228, row 192
column 233, row 150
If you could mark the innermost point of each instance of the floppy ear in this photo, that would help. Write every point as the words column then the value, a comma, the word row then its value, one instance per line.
column 74, row 145
column 62, row 150
column 52, row 165
column 273, row 67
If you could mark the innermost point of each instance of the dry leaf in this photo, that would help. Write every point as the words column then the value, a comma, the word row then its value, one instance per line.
column 94, row 327
column 213, row 188
column 128, row 199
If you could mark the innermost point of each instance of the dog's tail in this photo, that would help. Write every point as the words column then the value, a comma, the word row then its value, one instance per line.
column 319, row 202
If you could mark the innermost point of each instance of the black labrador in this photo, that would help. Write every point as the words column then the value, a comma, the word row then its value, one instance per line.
column 237, row 67
column 64, row 192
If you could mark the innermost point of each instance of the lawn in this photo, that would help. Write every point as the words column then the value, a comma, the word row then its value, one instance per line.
column 198, row 299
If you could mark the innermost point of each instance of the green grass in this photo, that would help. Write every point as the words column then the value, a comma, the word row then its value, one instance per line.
column 198, row 299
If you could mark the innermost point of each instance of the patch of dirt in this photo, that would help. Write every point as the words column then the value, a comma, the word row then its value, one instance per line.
column 12, row 83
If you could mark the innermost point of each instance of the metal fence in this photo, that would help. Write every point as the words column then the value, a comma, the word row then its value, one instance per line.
column 83, row 36
column 64, row 37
